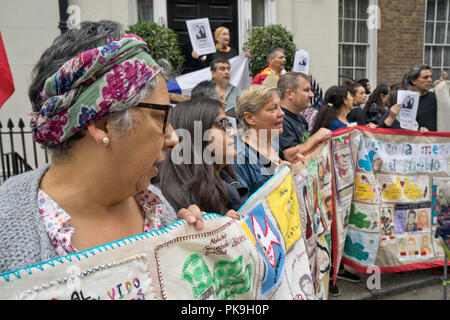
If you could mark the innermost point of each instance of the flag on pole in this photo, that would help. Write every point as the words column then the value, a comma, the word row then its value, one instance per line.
column 6, row 80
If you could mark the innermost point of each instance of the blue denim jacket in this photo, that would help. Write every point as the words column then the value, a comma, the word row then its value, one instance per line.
column 251, row 166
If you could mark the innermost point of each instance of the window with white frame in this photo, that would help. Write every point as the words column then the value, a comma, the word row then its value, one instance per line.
column 353, row 39
column 437, row 37
column 145, row 10
column 258, row 13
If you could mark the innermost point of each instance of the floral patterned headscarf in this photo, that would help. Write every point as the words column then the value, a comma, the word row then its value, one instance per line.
column 91, row 86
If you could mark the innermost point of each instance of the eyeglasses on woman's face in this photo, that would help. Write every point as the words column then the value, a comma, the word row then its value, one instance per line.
column 225, row 124
column 167, row 108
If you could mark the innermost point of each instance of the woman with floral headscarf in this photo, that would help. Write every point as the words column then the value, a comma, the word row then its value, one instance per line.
column 101, row 108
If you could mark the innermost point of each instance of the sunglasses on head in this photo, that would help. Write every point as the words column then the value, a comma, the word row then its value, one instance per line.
column 167, row 108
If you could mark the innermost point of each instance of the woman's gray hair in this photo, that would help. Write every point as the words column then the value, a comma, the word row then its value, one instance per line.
column 251, row 100
column 65, row 47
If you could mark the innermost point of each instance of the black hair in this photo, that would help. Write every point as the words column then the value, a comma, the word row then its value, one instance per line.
column 333, row 100
column 189, row 183
column 352, row 86
column 218, row 60
column 205, row 89
column 271, row 54
column 376, row 98
column 414, row 73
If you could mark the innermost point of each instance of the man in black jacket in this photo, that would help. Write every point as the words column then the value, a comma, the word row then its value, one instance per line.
column 419, row 79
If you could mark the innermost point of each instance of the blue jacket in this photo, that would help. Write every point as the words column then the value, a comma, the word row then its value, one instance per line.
column 251, row 166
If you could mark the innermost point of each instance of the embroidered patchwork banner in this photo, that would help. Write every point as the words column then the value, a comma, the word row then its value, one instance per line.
column 271, row 220
column 370, row 197
column 393, row 214
column 177, row 262
column 314, row 184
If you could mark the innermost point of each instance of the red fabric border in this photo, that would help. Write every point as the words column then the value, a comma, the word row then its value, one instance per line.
column 401, row 268
column 334, row 236
column 402, row 132
column 342, row 131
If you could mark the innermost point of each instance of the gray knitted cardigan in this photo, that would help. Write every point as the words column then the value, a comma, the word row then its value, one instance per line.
column 23, row 238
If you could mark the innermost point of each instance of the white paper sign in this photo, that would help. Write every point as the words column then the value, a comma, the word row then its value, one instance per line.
column 201, row 37
column 301, row 62
column 408, row 111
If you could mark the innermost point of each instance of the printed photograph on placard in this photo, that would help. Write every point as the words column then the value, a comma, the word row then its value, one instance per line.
column 200, row 35
column 343, row 162
column 361, row 247
column 364, row 217
column 366, row 188
column 387, row 228
column 395, row 188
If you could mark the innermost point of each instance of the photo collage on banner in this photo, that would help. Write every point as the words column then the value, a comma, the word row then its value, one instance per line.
column 440, row 211
column 392, row 221
column 271, row 219
column 344, row 177
column 313, row 181
column 382, row 196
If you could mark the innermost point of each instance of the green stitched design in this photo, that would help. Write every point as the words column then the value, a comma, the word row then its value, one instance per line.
column 229, row 278
column 358, row 218
column 197, row 273
column 355, row 250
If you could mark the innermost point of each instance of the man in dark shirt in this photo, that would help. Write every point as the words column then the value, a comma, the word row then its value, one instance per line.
column 419, row 78
column 295, row 94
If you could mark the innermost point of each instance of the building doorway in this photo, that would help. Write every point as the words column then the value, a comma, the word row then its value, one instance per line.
column 219, row 12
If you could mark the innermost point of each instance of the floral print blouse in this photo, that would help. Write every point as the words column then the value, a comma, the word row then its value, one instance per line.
column 60, row 232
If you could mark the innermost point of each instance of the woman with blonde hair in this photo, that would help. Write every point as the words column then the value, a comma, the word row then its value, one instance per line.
column 223, row 50
column 260, row 119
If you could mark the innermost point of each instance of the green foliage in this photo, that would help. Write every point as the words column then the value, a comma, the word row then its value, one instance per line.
column 263, row 39
column 162, row 43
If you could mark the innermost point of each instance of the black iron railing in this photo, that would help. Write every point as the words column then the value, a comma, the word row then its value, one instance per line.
column 318, row 94
column 18, row 151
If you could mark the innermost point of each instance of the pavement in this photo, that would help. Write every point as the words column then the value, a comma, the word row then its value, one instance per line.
column 412, row 285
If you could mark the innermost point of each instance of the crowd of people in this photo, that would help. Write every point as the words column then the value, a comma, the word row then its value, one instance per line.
column 101, row 107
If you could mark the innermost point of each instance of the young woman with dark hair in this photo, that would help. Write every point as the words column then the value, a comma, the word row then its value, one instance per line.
column 338, row 102
column 357, row 114
column 203, row 175
column 377, row 103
